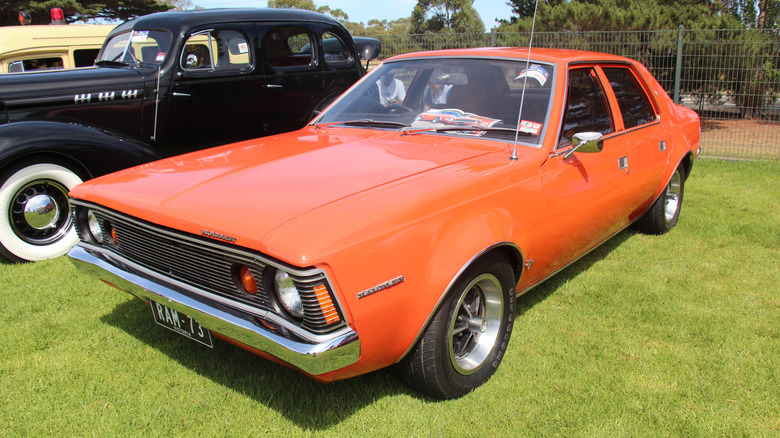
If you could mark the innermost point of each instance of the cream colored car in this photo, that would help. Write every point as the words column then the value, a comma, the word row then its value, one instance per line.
column 50, row 47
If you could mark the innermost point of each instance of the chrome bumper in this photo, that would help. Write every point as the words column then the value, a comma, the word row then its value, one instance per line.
column 328, row 353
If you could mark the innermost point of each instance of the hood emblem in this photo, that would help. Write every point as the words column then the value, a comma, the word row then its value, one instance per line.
column 214, row 235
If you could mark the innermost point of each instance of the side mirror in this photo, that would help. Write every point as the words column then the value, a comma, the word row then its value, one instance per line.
column 368, row 48
column 588, row 142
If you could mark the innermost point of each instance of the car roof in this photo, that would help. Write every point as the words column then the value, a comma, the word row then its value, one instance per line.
column 538, row 54
column 180, row 21
column 28, row 38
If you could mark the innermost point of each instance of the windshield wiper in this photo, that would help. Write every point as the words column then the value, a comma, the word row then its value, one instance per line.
column 467, row 129
column 376, row 123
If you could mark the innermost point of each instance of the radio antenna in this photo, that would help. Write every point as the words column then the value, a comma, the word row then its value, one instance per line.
column 525, row 80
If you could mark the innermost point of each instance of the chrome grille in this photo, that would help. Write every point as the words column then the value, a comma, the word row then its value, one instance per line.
column 193, row 260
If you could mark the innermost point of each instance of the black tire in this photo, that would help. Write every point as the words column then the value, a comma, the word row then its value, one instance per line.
column 35, row 222
column 458, row 353
column 665, row 211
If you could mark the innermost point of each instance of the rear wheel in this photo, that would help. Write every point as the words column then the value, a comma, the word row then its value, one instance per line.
column 466, row 340
column 35, row 222
column 665, row 211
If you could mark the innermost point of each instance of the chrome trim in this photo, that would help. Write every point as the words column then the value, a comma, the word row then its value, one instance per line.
column 380, row 287
column 328, row 353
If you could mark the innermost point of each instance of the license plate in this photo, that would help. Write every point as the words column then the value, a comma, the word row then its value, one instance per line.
column 180, row 323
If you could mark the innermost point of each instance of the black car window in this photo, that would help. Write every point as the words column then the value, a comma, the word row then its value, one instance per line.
column 586, row 106
column 288, row 47
column 84, row 57
column 216, row 50
column 36, row 64
column 336, row 53
column 631, row 99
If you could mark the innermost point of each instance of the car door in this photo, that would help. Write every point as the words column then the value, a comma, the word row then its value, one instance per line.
column 340, row 67
column 217, row 93
column 640, row 124
column 293, row 69
column 584, row 195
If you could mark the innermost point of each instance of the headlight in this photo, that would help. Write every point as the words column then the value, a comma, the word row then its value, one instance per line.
column 95, row 230
column 287, row 294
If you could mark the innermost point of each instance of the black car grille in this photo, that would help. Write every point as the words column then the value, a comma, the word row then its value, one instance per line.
column 195, row 261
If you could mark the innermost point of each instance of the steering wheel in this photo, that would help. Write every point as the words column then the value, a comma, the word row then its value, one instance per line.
column 397, row 108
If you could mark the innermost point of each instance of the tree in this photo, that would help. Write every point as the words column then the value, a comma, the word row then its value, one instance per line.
column 456, row 16
column 180, row 5
column 78, row 10
column 620, row 15
column 309, row 5
column 759, row 14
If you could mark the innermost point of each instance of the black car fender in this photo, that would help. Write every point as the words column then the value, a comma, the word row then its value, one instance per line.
column 92, row 152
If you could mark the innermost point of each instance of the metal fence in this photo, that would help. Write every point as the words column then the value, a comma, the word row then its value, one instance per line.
column 730, row 77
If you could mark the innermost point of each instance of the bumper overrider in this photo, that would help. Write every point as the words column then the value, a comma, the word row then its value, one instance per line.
column 319, row 355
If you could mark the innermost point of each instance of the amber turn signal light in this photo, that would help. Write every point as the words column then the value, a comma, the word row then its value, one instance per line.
column 247, row 278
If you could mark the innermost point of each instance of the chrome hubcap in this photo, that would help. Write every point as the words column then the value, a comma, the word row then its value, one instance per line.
column 39, row 212
column 672, row 196
column 475, row 324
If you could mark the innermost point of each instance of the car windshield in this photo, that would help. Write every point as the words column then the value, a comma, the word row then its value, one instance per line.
column 137, row 46
column 460, row 96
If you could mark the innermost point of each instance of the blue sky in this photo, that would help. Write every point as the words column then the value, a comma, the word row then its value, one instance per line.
column 363, row 10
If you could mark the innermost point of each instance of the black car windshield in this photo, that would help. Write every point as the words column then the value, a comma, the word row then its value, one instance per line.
column 441, row 94
column 137, row 46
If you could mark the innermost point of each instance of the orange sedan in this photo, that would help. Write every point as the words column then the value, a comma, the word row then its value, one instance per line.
column 382, row 234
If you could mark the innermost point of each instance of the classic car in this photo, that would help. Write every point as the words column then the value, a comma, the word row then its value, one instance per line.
column 45, row 47
column 369, row 239
column 163, row 84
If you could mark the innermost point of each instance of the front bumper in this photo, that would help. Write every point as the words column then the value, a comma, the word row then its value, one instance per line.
column 322, row 355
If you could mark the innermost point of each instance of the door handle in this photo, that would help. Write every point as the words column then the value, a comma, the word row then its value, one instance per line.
column 177, row 94
column 273, row 86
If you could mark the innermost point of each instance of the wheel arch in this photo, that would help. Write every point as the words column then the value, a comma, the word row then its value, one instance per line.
column 85, row 150
column 508, row 250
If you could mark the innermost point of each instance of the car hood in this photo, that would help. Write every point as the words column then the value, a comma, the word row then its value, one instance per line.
column 51, row 87
column 247, row 189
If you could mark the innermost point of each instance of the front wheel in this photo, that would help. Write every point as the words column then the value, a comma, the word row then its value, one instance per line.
column 35, row 222
column 466, row 340
column 665, row 211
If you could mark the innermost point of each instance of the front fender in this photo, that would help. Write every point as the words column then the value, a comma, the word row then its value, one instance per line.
column 95, row 151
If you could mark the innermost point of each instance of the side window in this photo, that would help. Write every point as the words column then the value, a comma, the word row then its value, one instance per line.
column 586, row 106
column 35, row 64
column 216, row 50
column 84, row 57
column 288, row 47
column 634, row 105
column 336, row 53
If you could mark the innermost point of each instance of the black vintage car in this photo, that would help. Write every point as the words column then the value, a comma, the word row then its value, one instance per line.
column 163, row 84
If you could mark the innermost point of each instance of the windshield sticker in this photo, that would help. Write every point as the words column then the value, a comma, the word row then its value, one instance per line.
column 535, row 72
column 530, row 127
column 243, row 48
column 140, row 36
column 160, row 56
column 435, row 118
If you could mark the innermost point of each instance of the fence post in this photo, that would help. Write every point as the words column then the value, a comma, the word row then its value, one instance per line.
column 678, row 66
column 493, row 37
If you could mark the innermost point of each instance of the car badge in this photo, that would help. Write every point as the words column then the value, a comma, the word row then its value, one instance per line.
column 214, row 235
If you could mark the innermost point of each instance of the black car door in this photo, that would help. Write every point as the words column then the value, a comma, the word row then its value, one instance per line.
column 218, row 91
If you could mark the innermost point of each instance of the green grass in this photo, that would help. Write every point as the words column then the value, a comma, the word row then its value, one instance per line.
column 674, row 335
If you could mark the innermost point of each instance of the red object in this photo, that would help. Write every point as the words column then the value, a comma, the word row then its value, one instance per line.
column 57, row 16
column 24, row 18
